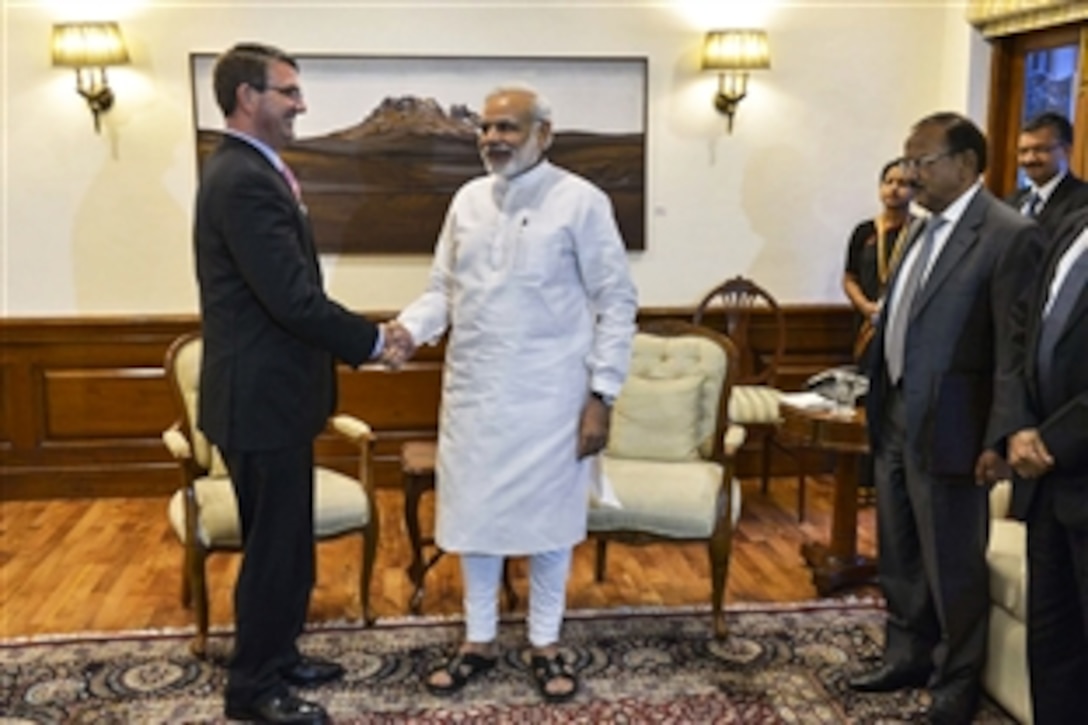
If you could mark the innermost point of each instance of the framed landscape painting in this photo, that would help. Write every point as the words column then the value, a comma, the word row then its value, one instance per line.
column 386, row 141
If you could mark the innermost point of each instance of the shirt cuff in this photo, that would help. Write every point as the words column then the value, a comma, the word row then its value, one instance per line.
column 379, row 344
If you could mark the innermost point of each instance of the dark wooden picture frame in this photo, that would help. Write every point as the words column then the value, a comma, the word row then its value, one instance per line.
column 387, row 140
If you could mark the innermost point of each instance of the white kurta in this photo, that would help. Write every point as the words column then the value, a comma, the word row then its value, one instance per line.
column 531, row 278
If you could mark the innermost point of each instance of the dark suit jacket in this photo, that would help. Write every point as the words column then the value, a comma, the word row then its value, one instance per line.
column 1070, row 195
column 1065, row 429
column 268, row 375
column 958, row 337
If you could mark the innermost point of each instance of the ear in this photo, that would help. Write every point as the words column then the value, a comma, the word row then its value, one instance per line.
column 544, row 135
column 972, row 161
column 245, row 96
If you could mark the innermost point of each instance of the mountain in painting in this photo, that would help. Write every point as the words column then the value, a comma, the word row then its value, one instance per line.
column 383, row 185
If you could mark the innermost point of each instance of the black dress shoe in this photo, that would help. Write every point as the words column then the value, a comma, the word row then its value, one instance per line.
column 887, row 678
column 280, row 709
column 953, row 706
column 311, row 672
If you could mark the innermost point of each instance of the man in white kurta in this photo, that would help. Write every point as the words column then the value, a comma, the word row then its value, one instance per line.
column 530, row 276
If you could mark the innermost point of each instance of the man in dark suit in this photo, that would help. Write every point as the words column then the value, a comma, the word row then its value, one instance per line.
column 1053, row 192
column 943, row 335
column 268, row 378
column 1048, row 448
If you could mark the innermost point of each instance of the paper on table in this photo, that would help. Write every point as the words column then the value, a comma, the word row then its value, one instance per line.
column 807, row 401
column 601, row 491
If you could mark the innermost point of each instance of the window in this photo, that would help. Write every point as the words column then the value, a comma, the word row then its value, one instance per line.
column 1031, row 73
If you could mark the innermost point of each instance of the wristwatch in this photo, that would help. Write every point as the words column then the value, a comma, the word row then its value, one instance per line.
column 605, row 398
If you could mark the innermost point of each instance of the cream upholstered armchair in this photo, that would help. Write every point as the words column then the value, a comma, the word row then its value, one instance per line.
column 670, row 450
column 204, row 511
column 1005, row 676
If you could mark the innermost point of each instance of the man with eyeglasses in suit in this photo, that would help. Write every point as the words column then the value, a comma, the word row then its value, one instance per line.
column 942, row 340
column 1053, row 191
column 268, row 376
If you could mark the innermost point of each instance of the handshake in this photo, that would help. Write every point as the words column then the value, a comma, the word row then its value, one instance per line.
column 399, row 345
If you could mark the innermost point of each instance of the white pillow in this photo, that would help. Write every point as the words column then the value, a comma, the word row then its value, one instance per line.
column 657, row 419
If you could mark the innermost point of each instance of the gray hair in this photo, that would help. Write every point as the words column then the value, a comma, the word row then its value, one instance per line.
column 542, row 108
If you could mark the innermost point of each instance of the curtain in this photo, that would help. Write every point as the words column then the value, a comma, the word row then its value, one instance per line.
column 998, row 18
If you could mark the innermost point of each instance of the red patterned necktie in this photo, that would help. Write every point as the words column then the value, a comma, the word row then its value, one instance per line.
column 292, row 181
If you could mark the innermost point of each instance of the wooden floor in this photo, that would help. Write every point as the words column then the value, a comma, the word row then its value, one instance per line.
column 112, row 564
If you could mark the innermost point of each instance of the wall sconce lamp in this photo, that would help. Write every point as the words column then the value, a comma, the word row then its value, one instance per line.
column 733, row 53
column 89, row 48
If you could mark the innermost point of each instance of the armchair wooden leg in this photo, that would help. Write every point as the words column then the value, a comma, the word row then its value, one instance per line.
column 602, row 559
column 199, row 645
column 765, row 463
column 720, row 547
column 370, row 549
column 800, row 493
column 186, row 580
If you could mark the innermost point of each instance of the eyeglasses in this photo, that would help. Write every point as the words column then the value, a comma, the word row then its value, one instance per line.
column 1041, row 150
column 291, row 93
column 918, row 162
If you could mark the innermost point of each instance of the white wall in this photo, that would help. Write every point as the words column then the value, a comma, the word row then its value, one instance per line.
column 101, row 224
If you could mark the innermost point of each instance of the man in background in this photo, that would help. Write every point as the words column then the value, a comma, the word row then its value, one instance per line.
column 1048, row 449
column 530, row 276
column 268, row 378
column 942, row 339
column 1053, row 192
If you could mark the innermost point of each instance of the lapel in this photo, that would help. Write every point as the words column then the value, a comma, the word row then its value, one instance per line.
column 1061, row 191
column 1081, row 305
column 1039, row 303
column 273, row 173
column 963, row 237
column 301, row 217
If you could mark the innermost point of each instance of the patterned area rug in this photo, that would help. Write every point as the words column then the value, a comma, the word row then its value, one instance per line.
column 784, row 664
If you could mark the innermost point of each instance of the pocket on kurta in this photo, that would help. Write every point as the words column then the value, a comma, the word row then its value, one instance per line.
column 540, row 256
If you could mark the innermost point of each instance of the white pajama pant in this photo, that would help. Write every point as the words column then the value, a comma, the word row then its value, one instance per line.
column 548, row 572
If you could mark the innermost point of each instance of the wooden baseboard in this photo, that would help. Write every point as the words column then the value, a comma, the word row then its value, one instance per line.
column 83, row 401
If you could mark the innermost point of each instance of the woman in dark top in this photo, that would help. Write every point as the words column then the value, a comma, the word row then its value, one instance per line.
column 875, row 247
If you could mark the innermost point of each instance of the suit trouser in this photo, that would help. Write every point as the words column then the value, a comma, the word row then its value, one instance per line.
column 275, row 504
column 1057, row 613
column 932, row 545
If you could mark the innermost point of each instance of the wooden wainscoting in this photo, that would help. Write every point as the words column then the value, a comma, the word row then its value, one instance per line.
column 83, row 401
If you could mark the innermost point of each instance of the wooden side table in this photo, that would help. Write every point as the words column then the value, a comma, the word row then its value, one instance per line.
column 836, row 564
column 417, row 460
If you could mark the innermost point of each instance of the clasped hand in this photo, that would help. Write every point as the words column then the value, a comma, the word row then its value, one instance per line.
column 1028, row 455
column 399, row 345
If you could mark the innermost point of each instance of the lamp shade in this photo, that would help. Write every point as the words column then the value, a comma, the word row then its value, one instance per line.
column 737, row 49
column 79, row 45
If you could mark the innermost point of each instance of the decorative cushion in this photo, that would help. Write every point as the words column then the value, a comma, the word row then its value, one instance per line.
column 219, row 466
column 675, row 500
column 339, row 506
column 657, row 419
column 753, row 404
column 1000, row 499
column 1008, row 562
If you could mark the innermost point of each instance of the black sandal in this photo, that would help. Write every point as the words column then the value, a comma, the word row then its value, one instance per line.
column 462, row 668
column 547, row 670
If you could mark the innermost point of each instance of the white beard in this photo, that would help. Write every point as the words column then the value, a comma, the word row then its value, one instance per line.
column 522, row 158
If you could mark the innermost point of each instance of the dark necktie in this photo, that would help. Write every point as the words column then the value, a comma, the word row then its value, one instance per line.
column 1053, row 324
column 895, row 338
column 1034, row 204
